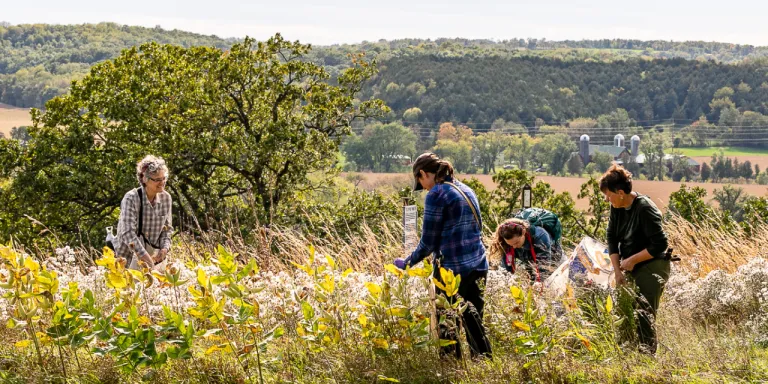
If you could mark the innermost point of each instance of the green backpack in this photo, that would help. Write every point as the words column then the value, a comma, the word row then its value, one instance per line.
column 544, row 219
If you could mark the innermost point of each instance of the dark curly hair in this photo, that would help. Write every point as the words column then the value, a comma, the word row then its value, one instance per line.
column 615, row 179
column 507, row 230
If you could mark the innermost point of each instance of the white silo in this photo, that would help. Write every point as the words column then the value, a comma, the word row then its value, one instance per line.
column 584, row 149
column 618, row 140
column 635, row 145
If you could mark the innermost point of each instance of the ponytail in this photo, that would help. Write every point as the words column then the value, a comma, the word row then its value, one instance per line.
column 429, row 162
column 445, row 169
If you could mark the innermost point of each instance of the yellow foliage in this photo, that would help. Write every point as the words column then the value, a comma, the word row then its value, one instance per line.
column 450, row 283
column 327, row 284
column 521, row 326
column 419, row 272
column 373, row 288
column 380, row 343
column 116, row 280
column 397, row 311
column 391, row 268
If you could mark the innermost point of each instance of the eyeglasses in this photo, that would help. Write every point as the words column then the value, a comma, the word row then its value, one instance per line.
column 163, row 180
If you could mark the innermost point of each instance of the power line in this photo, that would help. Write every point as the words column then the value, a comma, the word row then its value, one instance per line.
column 741, row 129
column 743, row 134
column 671, row 121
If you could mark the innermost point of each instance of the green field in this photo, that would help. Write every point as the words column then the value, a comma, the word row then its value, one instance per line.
column 728, row 151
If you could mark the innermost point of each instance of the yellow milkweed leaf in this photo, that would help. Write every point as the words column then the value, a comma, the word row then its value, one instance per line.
column 373, row 288
column 311, row 254
column 331, row 261
column 327, row 284
column 380, row 343
column 202, row 279
column 397, row 311
column 391, row 268
column 116, row 280
column 520, row 325
column 418, row 272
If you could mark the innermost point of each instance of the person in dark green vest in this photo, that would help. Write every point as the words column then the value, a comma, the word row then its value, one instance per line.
column 637, row 245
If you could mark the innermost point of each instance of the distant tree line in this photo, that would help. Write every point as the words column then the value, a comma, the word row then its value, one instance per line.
column 38, row 61
column 473, row 82
column 478, row 90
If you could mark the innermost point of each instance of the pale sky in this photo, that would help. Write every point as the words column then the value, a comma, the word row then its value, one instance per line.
column 343, row 21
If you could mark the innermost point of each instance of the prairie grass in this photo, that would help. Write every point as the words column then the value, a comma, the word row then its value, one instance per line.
column 693, row 349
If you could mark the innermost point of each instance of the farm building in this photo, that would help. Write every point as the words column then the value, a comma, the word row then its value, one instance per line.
column 619, row 151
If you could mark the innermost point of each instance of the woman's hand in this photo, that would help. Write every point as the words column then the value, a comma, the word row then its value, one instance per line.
column 160, row 256
column 147, row 261
column 627, row 264
column 620, row 279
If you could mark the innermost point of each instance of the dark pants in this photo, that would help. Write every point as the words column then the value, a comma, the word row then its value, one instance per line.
column 472, row 318
column 650, row 279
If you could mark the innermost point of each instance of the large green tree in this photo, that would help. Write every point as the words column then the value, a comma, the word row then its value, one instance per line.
column 388, row 144
column 487, row 147
column 520, row 150
column 653, row 148
column 355, row 149
column 602, row 161
column 555, row 150
column 459, row 153
column 245, row 127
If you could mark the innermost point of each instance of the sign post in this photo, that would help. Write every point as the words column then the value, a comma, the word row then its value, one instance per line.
column 527, row 196
column 410, row 242
column 410, row 228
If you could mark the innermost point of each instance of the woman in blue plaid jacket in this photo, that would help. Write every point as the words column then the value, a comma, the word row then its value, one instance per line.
column 452, row 232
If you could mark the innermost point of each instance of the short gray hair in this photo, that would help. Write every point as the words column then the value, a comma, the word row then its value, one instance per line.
column 149, row 165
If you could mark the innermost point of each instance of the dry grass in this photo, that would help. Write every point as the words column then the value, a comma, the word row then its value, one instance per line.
column 701, row 247
column 686, row 354
column 704, row 249
column 275, row 248
column 658, row 191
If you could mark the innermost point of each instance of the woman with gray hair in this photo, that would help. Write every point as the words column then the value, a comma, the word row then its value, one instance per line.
column 144, row 230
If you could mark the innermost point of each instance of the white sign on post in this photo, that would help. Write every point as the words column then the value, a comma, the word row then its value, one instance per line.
column 410, row 229
column 527, row 196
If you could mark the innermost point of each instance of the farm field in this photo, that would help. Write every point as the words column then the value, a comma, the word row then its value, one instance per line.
column 728, row 151
column 13, row 117
column 757, row 156
column 659, row 191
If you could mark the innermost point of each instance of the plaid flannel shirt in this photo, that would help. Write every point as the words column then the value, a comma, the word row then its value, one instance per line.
column 157, row 226
column 450, row 231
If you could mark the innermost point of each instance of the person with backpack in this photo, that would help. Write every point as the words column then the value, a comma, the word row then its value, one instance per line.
column 144, row 230
column 526, row 238
column 452, row 232
column 637, row 245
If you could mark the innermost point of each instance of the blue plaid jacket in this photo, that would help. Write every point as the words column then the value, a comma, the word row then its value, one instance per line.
column 450, row 231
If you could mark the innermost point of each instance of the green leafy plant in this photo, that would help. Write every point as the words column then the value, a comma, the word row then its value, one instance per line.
column 29, row 291
column 390, row 322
